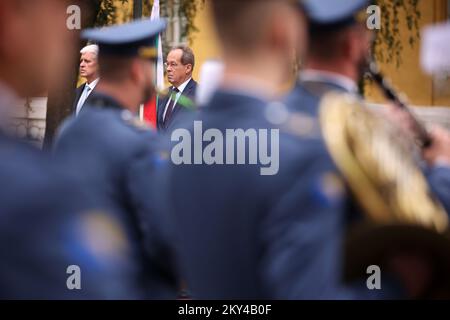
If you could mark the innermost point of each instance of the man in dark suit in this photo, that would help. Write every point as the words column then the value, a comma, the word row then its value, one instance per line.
column 180, row 64
column 88, row 70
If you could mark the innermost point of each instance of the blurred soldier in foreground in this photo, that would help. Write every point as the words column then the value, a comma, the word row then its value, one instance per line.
column 57, row 241
column 267, row 227
column 338, row 53
column 337, row 59
column 112, row 151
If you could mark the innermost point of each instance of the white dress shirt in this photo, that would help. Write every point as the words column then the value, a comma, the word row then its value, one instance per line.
column 88, row 88
column 180, row 92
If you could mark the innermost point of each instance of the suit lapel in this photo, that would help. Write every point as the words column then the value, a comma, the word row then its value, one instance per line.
column 188, row 93
column 78, row 93
column 162, row 106
column 88, row 99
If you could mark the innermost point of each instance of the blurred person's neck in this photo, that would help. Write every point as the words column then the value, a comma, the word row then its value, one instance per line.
column 261, row 74
column 125, row 93
column 341, row 67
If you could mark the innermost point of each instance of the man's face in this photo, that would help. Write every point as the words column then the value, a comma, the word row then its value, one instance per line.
column 35, row 40
column 177, row 73
column 89, row 66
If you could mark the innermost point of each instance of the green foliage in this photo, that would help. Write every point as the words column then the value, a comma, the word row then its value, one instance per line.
column 189, row 8
column 107, row 14
column 388, row 45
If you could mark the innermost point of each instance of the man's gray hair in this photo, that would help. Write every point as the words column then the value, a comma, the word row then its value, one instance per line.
column 188, row 55
column 92, row 48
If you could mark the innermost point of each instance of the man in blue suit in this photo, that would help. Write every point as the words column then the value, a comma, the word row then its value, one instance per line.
column 112, row 151
column 257, row 205
column 179, row 65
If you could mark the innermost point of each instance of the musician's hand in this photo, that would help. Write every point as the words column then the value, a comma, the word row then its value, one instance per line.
column 414, row 271
column 439, row 151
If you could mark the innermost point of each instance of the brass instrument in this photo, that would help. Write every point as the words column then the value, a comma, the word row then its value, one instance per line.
column 386, row 181
column 377, row 164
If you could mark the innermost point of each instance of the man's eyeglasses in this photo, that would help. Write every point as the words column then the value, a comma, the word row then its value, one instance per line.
column 172, row 65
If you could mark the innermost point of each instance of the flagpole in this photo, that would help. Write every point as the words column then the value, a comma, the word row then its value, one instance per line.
column 150, row 109
column 137, row 14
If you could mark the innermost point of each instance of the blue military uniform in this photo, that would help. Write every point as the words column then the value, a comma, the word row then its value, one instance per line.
column 49, row 222
column 116, row 154
column 243, row 235
column 314, row 84
column 325, row 15
column 439, row 179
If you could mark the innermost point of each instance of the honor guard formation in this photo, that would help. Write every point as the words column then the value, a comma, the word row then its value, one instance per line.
column 260, row 193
